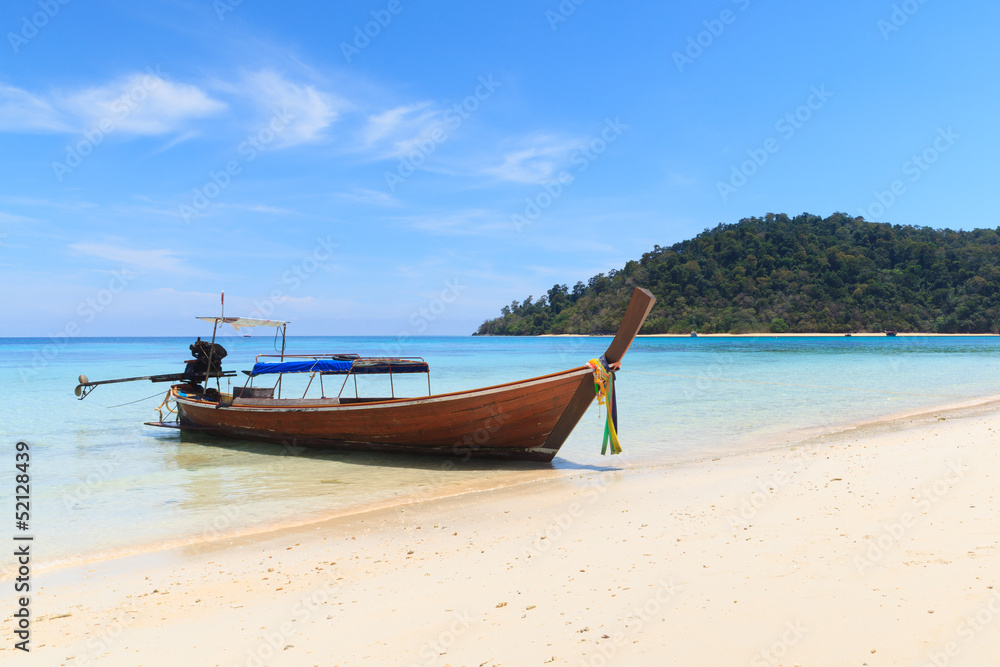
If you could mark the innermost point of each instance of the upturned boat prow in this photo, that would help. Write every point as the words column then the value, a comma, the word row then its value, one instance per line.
column 526, row 420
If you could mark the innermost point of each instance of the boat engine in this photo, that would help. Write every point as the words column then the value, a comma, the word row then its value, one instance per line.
column 207, row 359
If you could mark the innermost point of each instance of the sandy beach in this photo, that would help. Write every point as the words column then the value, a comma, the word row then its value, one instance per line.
column 874, row 546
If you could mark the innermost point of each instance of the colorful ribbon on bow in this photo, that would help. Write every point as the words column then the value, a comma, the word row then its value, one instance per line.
column 604, row 387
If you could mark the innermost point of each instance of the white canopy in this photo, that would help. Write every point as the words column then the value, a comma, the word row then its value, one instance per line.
column 237, row 322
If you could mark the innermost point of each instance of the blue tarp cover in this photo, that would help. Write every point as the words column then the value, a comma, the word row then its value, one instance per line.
column 371, row 366
column 308, row 366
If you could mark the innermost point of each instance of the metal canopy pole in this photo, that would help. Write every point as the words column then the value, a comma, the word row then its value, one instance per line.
column 284, row 330
column 211, row 352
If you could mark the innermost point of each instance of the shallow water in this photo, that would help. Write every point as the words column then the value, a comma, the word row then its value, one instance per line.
column 103, row 483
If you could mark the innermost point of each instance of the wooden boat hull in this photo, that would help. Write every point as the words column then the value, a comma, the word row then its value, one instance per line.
column 528, row 420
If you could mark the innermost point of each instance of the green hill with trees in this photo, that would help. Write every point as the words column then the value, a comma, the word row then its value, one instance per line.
column 778, row 274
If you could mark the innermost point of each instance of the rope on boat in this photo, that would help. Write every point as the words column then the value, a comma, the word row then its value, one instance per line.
column 604, row 387
column 165, row 405
column 807, row 386
column 120, row 405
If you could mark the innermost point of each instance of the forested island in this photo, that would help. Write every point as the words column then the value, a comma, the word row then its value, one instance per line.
column 787, row 275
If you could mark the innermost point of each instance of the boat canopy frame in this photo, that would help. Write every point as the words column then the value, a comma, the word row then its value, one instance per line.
column 238, row 323
column 349, row 365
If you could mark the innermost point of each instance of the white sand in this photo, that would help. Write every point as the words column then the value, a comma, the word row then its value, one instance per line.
column 877, row 546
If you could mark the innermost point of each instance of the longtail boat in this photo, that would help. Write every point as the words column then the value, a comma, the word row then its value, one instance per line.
column 528, row 419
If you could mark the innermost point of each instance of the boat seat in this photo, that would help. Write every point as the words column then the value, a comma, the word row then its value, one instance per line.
column 253, row 392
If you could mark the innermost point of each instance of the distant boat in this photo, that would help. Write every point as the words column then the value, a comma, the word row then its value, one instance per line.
column 694, row 334
column 891, row 333
column 847, row 335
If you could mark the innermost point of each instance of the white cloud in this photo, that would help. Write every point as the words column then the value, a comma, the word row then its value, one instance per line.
column 259, row 208
column 400, row 130
column 681, row 180
column 20, row 111
column 140, row 103
column 310, row 111
column 366, row 196
column 154, row 260
column 537, row 160
column 470, row 222
column 12, row 218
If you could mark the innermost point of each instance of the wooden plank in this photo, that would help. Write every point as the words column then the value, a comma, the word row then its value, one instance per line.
column 571, row 416
column 636, row 314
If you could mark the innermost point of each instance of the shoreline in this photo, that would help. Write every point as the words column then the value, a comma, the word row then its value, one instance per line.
column 652, row 564
column 774, row 441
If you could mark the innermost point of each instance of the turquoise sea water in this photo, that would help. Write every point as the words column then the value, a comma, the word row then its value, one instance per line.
column 102, row 483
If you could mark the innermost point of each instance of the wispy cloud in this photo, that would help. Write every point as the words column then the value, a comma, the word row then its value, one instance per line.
column 20, row 111
column 137, row 104
column 310, row 111
column 681, row 180
column 144, row 104
column 535, row 159
column 366, row 196
column 11, row 218
column 469, row 222
column 149, row 260
column 179, row 139
column 399, row 131
column 147, row 104
column 259, row 208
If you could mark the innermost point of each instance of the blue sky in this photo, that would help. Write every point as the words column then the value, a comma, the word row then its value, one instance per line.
column 406, row 168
